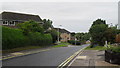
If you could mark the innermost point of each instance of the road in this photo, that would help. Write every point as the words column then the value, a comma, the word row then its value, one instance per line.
column 52, row 57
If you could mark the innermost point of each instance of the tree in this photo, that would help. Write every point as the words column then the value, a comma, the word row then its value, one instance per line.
column 86, row 36
column 110, row 34
column 47, row 24
column 82, row 37
column 30, row 26
column 99, row 21
column 79, row 36
column 118, row 31
column 54, row 35
column 73, row 34
column 97, row 31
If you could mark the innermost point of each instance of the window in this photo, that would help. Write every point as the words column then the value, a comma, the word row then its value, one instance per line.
column 12, row 23
column 5, row 22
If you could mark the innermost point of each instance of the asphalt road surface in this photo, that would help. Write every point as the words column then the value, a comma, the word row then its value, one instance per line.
column 52, row 57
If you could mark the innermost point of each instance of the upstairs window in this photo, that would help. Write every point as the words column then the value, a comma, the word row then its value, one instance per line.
column 12, row 23
column 5, row 22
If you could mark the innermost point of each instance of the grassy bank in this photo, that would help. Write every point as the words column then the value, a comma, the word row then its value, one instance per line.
column 96, row 48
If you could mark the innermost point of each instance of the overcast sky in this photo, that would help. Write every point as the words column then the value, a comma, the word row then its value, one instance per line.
column 73, row 16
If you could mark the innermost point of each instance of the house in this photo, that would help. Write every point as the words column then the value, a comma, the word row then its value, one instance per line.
column 12, row 19
column 64, row 34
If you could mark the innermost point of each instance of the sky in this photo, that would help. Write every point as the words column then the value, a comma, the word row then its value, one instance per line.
column 73, row 16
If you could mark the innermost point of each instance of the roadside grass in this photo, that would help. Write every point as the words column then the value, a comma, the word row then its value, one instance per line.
column 20, row 49
column 96, row 48
column 63, row 44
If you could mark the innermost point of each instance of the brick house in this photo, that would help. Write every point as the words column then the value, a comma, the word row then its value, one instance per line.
column 11, row 19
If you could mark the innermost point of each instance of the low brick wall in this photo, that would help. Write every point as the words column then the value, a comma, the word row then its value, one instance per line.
column 112, row 57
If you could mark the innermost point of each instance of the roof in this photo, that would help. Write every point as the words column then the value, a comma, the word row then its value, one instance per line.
column 20, row 16
column 62, row 30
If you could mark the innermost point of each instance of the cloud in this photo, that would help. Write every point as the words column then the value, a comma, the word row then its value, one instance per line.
column 59, row 0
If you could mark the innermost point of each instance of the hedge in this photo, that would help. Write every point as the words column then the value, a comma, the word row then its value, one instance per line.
column 37, row 38
column 114, row 49
column 73, row 42
column 13, row 38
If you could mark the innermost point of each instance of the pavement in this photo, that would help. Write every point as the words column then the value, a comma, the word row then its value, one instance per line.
column 91, row 58
column 44, row 57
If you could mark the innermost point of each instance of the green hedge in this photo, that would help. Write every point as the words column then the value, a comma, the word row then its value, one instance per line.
column 13, row 38
column 37, row 38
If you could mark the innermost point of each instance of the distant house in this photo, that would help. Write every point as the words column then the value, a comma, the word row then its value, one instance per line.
column 12, row 18
column 64, row 35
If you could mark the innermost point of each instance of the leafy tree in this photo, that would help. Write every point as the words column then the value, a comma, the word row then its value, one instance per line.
column 110, row 34
column 82, row 37
column 47, row 24
column 118, row 31
column 54, row 35
column 73, row 34
column 86, row 36
column 79, row 36
column 99, row 21
column 97, row 31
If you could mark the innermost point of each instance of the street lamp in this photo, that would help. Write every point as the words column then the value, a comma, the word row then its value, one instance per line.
column 75, row 39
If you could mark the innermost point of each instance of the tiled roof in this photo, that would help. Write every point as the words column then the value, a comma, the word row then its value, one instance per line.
column 20, row 16
column 62, row 30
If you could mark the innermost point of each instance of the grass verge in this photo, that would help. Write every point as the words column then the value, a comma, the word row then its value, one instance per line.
column 31, row 47
column 20, row 49
column 96, row 48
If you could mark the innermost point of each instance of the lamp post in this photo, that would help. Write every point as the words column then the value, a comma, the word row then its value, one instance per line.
column 75, row 39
